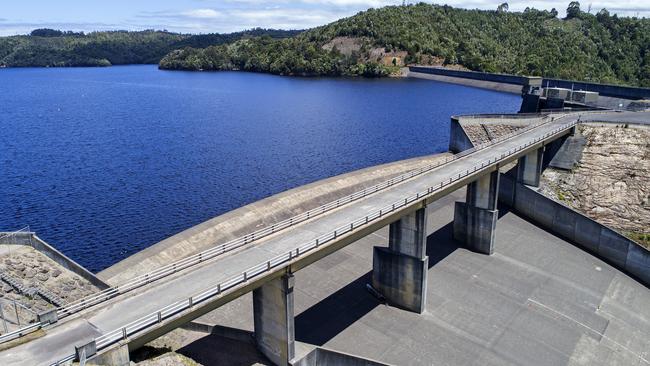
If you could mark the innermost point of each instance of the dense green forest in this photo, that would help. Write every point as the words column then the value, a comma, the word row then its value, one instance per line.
column 582, row 46
column 49, row 47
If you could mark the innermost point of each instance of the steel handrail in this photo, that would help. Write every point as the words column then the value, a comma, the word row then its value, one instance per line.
column 7, row 234
column 168, row 311
column 218, row 250
column 261, row 233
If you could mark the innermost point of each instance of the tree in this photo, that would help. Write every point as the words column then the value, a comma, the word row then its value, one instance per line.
column 603, row 15
column 503, row 8
column 46, row 32
column 554, row 13
column 573, row 11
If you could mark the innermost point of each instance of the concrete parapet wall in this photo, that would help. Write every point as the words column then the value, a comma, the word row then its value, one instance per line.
column 481, row 84
column 617, row 91
column 484, row 76
column 322, row 356
column 563, row 221
column 61, row 259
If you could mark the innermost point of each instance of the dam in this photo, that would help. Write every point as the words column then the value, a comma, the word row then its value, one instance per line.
column 466, row 264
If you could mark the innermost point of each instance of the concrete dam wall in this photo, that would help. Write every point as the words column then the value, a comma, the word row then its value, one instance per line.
column 257, row 215
column 608, row 90
column 474, row 75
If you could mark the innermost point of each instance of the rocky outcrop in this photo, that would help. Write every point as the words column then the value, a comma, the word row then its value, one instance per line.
column 611, row 182
column 36, row 283
column 486, row 132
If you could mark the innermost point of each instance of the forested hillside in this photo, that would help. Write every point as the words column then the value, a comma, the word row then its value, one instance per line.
column 583, row 46
column 49, row 47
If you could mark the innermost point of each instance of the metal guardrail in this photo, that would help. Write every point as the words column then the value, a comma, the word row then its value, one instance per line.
column 218, row 250
column 9, row 234
column 166, row 312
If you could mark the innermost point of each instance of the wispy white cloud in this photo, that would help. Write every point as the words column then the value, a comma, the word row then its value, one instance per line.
column 234, row 15
column 8, row 28
column 236, row 18
column 202, row 13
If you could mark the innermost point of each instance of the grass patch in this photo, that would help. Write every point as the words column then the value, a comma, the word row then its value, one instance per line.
column 24, row 339
column 641, row 238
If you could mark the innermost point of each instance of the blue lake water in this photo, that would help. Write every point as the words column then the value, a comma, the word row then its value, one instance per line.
column 103, row 162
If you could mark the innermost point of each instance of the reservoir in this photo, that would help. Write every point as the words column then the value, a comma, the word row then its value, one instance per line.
column 103, row 162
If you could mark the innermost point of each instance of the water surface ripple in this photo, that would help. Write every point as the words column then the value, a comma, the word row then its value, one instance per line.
column 103, row 162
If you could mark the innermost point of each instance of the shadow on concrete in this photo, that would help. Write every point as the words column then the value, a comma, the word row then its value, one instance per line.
column 323, row 321
column 217, row 350
column 440, row 244
column 503, row 210
column 326, row 319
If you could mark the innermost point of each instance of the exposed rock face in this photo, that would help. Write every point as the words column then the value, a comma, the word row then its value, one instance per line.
column 487, row 132
column 363, row 49
column 37, row 282
column 611, row 183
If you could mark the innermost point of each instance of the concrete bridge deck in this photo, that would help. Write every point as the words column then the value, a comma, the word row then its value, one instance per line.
column 114, row 314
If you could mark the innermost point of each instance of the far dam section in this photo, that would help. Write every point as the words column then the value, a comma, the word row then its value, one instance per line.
column 103, row 163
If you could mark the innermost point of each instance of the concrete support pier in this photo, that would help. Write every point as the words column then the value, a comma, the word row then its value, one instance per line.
column 274, row 319
column 399, row 272
column 529, row 168
column 475, row 220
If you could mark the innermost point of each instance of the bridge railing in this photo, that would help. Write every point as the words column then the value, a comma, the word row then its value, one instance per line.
column 218, row 250
column 196, row 259
column 152, row 319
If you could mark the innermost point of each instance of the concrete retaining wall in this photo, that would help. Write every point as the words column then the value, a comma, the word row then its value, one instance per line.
column 61, row 259
column 563, row 221
column 458, row 139
column 322, row 356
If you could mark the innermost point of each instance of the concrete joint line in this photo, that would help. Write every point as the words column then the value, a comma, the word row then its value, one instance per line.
column 646, row 361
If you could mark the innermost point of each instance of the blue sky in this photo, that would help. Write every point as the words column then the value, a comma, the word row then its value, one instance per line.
column 204, row 16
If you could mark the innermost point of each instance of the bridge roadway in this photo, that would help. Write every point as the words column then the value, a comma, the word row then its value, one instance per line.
column 60, row 338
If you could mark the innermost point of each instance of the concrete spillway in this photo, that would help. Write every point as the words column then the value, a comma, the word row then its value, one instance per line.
column 538, row 300
column 262, row 266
